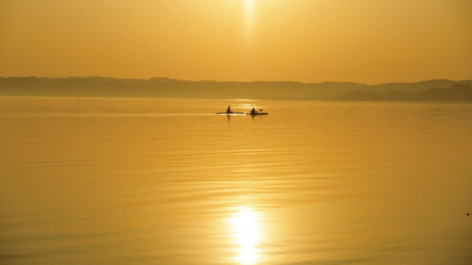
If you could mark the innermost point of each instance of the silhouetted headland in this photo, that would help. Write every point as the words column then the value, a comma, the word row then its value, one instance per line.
column 433, row 90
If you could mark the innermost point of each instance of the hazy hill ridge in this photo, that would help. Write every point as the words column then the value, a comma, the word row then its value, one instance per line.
column 172, row 88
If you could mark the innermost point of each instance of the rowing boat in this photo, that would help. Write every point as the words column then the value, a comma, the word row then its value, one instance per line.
column 257, row 113
column 230, row 113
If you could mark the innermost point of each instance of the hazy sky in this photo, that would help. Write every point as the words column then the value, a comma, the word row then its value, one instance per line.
column 366, row 41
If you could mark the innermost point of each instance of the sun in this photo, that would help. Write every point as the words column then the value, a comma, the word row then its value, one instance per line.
column 249, row 3
column 249, row 8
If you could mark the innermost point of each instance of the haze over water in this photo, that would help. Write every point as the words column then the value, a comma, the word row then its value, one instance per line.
column 152, row 181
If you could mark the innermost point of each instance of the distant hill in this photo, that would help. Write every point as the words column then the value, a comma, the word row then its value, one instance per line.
column 457, row 92
column 172, row 88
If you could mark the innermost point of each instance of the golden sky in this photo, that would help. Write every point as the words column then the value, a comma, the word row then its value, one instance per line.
column 365, row 41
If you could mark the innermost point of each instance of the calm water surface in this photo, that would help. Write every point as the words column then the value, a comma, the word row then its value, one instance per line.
column 135, row 181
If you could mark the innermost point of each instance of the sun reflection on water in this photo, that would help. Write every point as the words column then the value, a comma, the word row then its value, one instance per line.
column 247, row 234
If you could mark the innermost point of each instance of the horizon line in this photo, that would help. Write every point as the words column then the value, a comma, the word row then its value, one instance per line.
column 254, row 81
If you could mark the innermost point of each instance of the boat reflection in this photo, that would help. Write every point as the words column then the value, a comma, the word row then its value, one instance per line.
column 245, row 225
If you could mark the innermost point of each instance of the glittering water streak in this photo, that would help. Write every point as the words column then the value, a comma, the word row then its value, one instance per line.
column 246, row 229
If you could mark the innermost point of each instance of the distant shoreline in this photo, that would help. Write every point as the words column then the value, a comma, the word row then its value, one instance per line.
column 432, row 90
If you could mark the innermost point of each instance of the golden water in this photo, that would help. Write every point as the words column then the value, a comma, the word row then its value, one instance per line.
column 147, row 181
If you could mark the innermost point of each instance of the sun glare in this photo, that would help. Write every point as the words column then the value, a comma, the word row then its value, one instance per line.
column 249, row 7
column 249, row 4
column 247, row 235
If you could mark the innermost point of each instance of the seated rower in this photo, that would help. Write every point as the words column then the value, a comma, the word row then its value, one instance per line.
column 253, row 111
column 229, row 110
